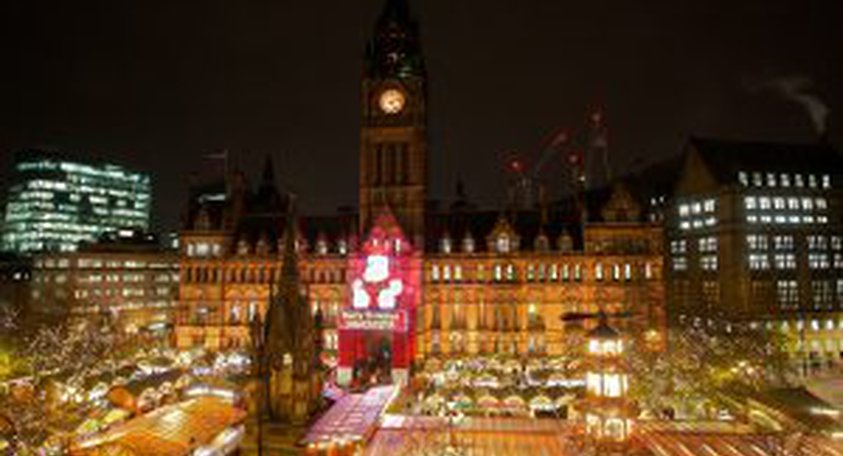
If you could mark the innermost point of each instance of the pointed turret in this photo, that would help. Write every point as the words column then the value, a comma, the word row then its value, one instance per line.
column 268, row 199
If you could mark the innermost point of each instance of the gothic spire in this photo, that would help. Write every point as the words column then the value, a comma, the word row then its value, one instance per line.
column 268, row 174
column 395, row 50
column 284, row 294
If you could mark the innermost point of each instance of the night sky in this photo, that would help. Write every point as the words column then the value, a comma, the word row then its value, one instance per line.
column 158, row 84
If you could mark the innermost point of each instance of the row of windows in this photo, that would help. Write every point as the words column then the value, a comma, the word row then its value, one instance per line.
column 759, row 179
column 793, row 203
column 97, row 263
column 787, row 261
column 822, row 293
column 538, row 272
column 258, row 275
column 82, row 293
column 781, row 219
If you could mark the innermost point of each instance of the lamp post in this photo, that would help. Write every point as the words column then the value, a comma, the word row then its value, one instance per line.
column 607, row 409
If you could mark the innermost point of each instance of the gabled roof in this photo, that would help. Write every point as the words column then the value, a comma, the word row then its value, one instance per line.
column 725, row 158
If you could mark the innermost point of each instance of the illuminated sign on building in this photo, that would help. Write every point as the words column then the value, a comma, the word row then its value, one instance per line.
column 373, row 320
column 383, row 280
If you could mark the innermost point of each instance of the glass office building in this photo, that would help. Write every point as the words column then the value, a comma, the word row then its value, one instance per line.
column 55, row 202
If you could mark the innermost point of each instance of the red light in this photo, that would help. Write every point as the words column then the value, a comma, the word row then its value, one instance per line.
column 516, row 165
column 560, row 138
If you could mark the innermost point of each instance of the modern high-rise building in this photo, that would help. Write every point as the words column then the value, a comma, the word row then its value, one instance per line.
column 755, row 233
column 55, row 202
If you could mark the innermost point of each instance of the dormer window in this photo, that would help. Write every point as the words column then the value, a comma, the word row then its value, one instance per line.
column 262, row 247
column 242, row 247
column 542, row 243
column 468, row 244
column 504, row 243
column 322, row 247
column 445, row 245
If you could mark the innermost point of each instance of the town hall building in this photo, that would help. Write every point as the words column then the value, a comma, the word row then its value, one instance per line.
column 403, row 282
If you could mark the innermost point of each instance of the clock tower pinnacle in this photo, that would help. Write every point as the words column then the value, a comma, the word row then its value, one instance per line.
column 393, row 137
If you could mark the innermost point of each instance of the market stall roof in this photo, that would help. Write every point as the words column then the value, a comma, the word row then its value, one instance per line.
column 353, row 417
column 174, row 430
column 501, row 436
column 710, row 438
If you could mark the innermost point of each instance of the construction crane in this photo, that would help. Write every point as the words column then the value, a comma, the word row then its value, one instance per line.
column 578, row 149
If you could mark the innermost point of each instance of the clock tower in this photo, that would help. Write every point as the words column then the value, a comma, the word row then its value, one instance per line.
column 393, row 138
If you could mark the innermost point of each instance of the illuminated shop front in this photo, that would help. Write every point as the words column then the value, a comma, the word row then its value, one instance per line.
column 377, row 324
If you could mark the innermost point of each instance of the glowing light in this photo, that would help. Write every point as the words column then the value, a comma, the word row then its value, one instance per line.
column 377, row 268
column 360, row 299
column 387, row 296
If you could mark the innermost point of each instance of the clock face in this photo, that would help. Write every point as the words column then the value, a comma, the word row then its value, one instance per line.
column 391, row 101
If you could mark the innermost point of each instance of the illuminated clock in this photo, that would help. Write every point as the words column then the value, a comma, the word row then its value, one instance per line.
column 391, row 101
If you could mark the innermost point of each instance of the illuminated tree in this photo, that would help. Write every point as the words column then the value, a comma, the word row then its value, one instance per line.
column 701, row 365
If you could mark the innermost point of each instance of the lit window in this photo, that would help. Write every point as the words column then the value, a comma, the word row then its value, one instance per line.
column 503, row 243
column 756, row 179
column 680, row 263
column 793, row 203
column 709, row 205
column 750, row 202
column 821, row 204
column 321, row 247
column 759, row 262
column 812, row 181
column 434, row 273
column 771, row 180
column 785, row 261
column 826, row 181
column 598, row 271
column 783, row 242
column 778, row 202
column 756, row 242
column 445, row 245
column 818, row 261
column 788, row 293
column 708, row 262
column 764, row 203
column 707, row 244
column 684, row 210
column 785, row 180
column 468, row 244
column 743, row 178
